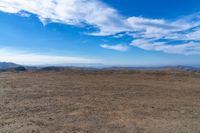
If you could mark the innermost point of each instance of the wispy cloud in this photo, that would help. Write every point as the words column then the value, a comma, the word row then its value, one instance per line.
column 108, row 21
column 71, row 12
column 118, row 47
column 29, row 58
column 183, row 48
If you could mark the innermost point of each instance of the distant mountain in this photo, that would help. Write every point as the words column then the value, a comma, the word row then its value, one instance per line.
column 189, row 68
column 8, row 65
column 182, row 68
column 80, row 65
column 11, row 67
column 52, row 69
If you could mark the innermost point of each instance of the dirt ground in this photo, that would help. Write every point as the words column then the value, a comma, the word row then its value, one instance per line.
column 74, row 101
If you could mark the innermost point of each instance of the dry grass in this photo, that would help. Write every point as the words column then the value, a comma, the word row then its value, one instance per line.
column 101, row 101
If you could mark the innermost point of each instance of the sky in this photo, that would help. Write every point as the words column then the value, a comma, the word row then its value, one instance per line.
column 110, row 32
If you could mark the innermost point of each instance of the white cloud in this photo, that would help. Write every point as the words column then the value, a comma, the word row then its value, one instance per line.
column 28, row 58
column 195, row 35
column 118, row 47
column 109, row 22
column 163, row 29
column 71, row 12
column 184, row 48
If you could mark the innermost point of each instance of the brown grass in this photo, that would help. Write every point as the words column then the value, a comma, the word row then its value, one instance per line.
column 100, row 101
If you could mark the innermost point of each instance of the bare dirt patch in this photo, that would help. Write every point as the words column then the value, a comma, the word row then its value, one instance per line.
column 100, row 101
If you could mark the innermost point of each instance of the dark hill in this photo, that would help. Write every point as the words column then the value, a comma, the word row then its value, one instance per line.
column 8, row 65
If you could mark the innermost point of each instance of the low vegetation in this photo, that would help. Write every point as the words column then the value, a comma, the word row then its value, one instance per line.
column 165, row 101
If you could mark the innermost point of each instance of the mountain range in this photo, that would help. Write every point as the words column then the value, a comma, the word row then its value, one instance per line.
column 7, row 66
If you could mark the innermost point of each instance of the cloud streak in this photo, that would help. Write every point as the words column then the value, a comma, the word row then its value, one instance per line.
column 186, row 48
column 118, row 47
column 29, row 58
column 146, row 33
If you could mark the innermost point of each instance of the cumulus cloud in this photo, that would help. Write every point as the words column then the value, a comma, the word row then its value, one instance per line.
column 108, row 22
column 118, row 47
column 29, row 58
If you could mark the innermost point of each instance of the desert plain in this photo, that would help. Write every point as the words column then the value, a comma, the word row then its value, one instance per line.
column 100, row 101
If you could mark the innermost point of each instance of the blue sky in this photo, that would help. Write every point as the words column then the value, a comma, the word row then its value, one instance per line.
column 111, row 32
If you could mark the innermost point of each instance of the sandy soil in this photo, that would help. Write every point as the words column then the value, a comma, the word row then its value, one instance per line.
column 100, row 102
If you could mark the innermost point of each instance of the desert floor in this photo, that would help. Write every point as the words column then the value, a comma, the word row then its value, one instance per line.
column 100, row 102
